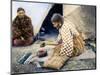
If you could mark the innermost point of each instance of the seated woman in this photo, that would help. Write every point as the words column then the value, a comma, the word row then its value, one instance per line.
column 70, row 43
column 68, row 35
column 22, row 29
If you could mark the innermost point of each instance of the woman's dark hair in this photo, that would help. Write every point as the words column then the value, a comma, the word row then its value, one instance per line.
column 20, row 9
column 57, row 18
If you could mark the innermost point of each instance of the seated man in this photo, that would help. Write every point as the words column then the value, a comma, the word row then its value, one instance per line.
column 22, row 29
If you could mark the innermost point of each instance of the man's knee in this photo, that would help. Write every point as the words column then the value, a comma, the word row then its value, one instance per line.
column 19, row 42
column 29, row 41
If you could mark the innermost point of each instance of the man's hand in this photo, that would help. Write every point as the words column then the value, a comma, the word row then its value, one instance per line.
column 22, row 38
